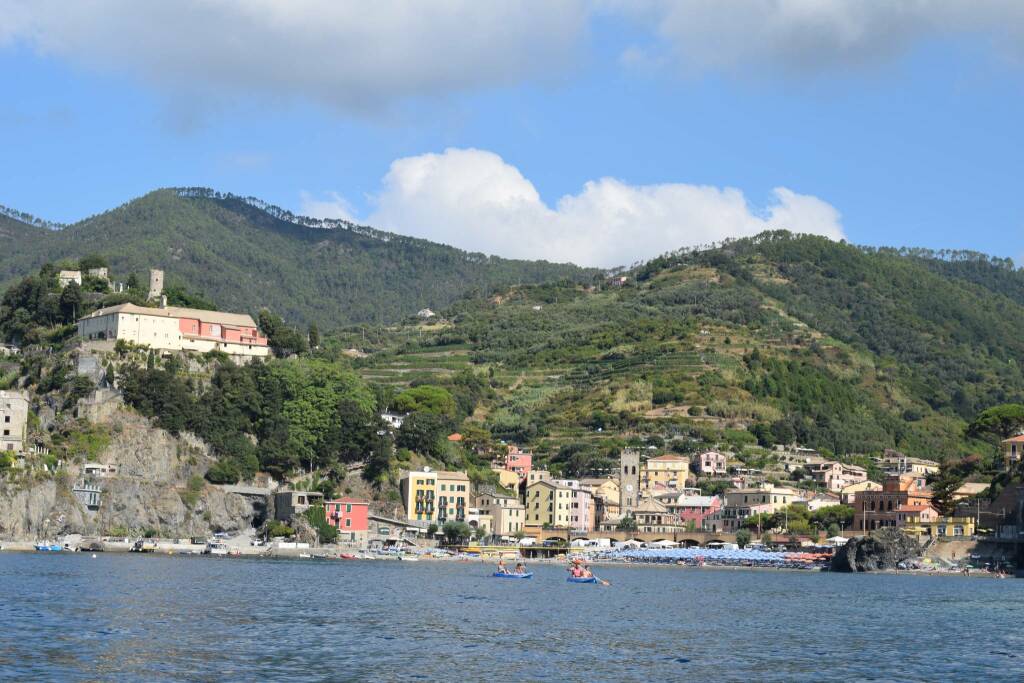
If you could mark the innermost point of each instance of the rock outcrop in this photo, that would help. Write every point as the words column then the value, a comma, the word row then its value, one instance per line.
column 883, row 549
column 154, row 483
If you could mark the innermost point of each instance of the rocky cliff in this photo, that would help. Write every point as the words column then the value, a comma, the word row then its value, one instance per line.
column 883, row 549
column 152, row 481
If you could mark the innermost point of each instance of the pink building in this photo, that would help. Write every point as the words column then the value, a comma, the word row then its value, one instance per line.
column 349, row 516
column 711, row 463
column 583, row 514
column 520, row 462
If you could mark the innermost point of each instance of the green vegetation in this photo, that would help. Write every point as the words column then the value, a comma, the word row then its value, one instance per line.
column 317, row 518
column 246, row 255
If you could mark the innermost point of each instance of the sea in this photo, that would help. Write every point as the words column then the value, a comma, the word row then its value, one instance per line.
column 119, row 617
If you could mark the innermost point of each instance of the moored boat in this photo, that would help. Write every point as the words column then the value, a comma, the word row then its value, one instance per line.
column 49, row 547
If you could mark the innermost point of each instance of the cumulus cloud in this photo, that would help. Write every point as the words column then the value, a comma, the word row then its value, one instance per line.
column 812, row 35
column 474, row 200
column 333, row 206
column 350, row 55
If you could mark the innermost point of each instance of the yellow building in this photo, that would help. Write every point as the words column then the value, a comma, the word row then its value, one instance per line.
column 549, row 504
column 606, row 496
column 453, row 496
column 664, row 473
column 419, row 491
column 848, row 494
column 507, row 478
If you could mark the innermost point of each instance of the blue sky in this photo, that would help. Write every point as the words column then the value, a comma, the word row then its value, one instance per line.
column 911, row 138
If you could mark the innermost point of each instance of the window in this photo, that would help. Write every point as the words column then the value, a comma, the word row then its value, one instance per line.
column 348, row 507
column 348, row 522
column 7, row 418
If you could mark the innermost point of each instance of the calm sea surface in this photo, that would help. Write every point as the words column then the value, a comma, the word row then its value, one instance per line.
column 120, row 617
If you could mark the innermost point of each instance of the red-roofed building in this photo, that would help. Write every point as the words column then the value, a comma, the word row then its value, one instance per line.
column 518, row 461
column 456, row 437
column 877, row 509
column 350, row 516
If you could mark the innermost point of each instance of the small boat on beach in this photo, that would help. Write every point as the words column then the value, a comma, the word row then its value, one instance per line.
column 214, row 548
column 409, row 558
column 507, row 575
column 581, row 579
column 49, row 547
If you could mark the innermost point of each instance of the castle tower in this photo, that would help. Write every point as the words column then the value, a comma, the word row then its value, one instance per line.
column 629, row 480
column 156, row 283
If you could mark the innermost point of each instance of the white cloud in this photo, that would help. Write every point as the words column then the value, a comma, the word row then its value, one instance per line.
column 334, row 206
column 813, row 35
column 350, row 55
column 474, row 200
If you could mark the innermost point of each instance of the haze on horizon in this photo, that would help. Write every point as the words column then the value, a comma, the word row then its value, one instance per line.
column 600, row 132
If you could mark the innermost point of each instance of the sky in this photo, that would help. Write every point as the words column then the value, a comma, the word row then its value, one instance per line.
column 600, row 132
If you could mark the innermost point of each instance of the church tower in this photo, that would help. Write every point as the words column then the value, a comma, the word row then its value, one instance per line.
column 629, row 481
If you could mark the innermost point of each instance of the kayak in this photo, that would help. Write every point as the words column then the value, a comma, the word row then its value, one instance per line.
column 503, row 575
column 581, row 579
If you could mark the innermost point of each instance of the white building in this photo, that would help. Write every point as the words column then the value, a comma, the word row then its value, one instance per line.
column 13, row 421
column 66, row 277
column 176, row 329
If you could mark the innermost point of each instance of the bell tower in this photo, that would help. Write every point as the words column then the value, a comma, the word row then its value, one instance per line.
column 629, row 480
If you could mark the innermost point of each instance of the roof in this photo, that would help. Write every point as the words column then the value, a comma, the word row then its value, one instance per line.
column 70, row 273
column 1015, row 439
column 972, row 488
column 915, row 508
column 219, row 317
column 598, row 481
column 348, row 500
column 452, row 475
column 696, row 501
column 649, row 504
column 669, row 458
column 455, row 437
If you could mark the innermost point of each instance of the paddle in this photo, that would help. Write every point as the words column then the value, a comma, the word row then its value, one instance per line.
column 602, row 581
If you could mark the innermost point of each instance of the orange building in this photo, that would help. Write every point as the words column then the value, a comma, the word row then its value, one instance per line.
column 878, row 509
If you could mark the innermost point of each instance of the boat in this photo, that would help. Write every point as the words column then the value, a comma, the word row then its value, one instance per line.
column 582, row 579
column 49, row 547
column 408, row 558
column 507, row 575
column 214, row 548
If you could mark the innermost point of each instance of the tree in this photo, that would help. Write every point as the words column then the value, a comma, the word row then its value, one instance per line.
column 284, row 340
column 92, row 261
column 317, row 518
column 132, row 282
column 833, row 530
column 1001, row 422
column 426, row 398
column 766, row 538
column 627, row 523
column 424, row 433
column 314, row 336
column 431, row 530
column 454, row 532
column 742, row 538
column 70, row 302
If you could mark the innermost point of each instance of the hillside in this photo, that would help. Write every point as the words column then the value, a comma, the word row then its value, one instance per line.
column 772, row 339
column 244, row 255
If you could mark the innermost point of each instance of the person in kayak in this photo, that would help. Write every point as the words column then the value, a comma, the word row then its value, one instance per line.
column 520, row 569
column 502, row 569
column 575, row 570
column 587, row 574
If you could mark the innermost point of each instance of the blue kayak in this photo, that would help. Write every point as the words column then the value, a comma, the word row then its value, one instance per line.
column 580, row 579
column 504, row 575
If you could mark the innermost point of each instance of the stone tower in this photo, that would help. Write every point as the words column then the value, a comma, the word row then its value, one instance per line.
column 629, row 480
column 156, row 283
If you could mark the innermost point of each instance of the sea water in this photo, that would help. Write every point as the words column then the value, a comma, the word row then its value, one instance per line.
column 72, row 617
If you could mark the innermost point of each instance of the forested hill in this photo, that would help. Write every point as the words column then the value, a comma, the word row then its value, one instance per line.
column 245, row 255
column 778, row 338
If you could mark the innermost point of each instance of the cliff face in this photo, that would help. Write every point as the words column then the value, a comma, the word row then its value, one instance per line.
column 883, row 549
column 147, row 489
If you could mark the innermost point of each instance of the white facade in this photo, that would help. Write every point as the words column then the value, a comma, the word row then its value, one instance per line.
column 13, row 421
column 66, row 277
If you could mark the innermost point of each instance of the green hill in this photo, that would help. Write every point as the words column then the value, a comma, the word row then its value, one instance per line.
column 244, row 254
column 775, row 338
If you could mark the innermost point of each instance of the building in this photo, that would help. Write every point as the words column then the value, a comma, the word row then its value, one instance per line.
column 533, row 476
column 508, row 515
column 1013, row 450
column 582, row 515
column 66, row 277
column 969, row 490
column 393, row 420
column 711, row 464
column 896, row 463
column 453, row 496
column 629, row 480
column 691, row 509
column 351, row 517
column 419, row 494
column 507, row 478
column 99, row 273
column 518, row 461
column 877, row 509
column 664, row 473
column 549, row 504
column 743, row 503
column 425, row 313
column 848, row 495
column 835, row 476
column 13, row 421
column 480, row 520
column 605, row 492
column 818, row 501
column 156, row 284
column 653, row 517
column 172, row 328
column 287, row 504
